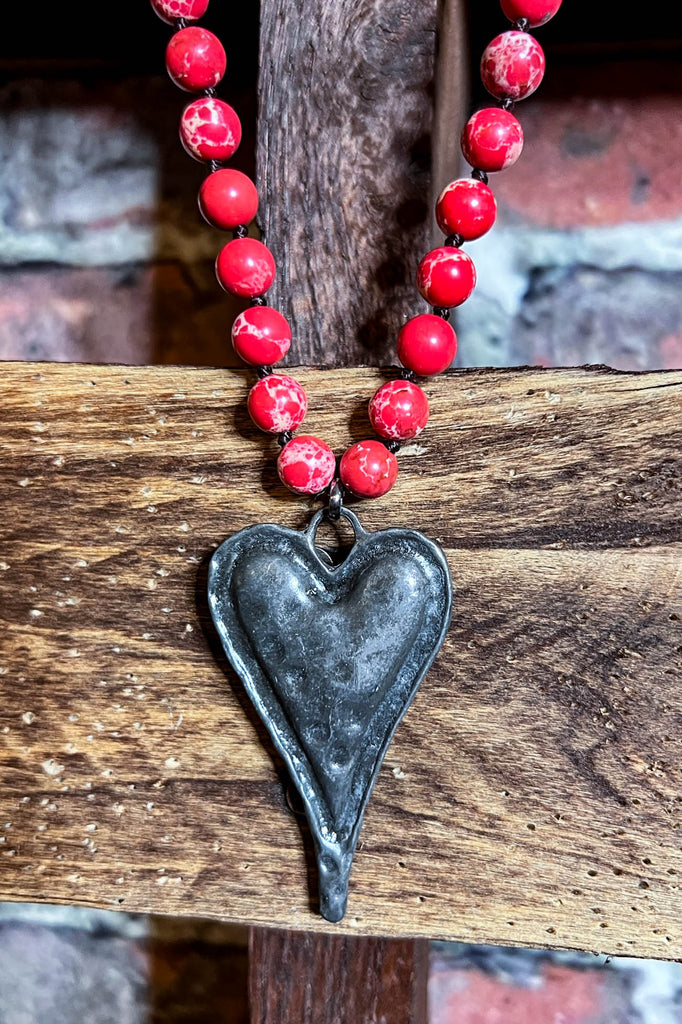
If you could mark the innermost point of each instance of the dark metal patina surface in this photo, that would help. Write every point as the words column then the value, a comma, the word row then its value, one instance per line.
column 331, row 657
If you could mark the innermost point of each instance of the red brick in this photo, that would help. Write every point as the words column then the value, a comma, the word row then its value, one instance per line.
column 600, row 147
column 559, row 995
column 162, row 313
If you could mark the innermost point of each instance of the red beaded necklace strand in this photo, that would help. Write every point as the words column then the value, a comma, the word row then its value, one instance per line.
column 512, row 68
column 331, row 653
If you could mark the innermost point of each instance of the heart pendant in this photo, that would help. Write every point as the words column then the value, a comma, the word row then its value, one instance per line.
column 331, row 657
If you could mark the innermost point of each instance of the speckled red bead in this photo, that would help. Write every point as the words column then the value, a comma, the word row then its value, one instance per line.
column 195, row 59
column 537, row 11
column 446, row 276
column 427, row 344
column 261, row 336
column 227, row 198
column 492, row 139
column 399, row 410
column 210, row 129
column 245, row 267
column 277, row 403
column 171, row 10
column 467, row 208
column 512, row 65
column 368, row 469
column 306, row 465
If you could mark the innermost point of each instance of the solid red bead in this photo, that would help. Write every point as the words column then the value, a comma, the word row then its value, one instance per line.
column 512, row 65
column 492, row 139
column 171, row 10
column 368, row 469
column 277, row 403
column 195, row 59
column 446, row 277
column 537, row 11
column 427, row 344
column 210, row 129
column 227, row 198
column 467, row 208
column 399, row 410
column 261, row 336
column 306, row 465
column 245, row 267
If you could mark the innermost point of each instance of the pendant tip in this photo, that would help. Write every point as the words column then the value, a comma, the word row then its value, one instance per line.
column 334, row 871
column 333, row 905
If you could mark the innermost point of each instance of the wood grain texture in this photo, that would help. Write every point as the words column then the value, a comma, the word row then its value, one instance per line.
column 344, row 152
column 336, row 979
column 532, row 794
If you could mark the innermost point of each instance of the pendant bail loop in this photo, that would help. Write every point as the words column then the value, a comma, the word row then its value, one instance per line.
column 335, row 503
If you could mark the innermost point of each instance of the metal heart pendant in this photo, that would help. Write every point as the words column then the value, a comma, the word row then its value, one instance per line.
column 331, row 657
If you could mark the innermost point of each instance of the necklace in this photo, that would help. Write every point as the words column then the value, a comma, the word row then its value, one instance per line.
column 331, row 652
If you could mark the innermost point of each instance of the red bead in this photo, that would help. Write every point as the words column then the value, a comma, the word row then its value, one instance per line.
column 492, row 139
column 277, row 403
column 245, row 267
column 368, row 469
column 171, row 10
column 261, row 336
column 195, row 59
column 227, row 198
column 446, row 277
column 210, row 129
column 467, row 208
column 399, row 410
column 427, row 344
column 306, row 465
column 512, row 65
column 537, row 11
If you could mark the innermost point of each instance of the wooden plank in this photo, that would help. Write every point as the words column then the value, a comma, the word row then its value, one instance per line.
column 306, row 978
column 532, row 793
column 344, row 158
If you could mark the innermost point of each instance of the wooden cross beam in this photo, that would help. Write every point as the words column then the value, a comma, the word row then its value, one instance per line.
column 531, row 793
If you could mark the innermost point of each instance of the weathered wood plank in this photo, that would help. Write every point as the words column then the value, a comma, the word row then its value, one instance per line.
column 344, row 159
column 532, row 793
column 306, row 978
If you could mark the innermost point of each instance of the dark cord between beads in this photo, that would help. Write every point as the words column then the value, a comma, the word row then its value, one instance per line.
column 258, row 300
column 264, row 371
column 406, row 374
column 241, row 231
column 284, row 438
column 479, row 175
column 521, row 25
column 392, row 445
column 454, row 241
column 441, row 311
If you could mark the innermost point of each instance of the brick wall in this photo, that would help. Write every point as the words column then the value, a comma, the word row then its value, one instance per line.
column 103, row 254
column 585, row 263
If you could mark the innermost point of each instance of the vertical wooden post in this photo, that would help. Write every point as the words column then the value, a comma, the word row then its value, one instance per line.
column 346, row 101
column 346, row 96
column 304, row 978
column 452, row 93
